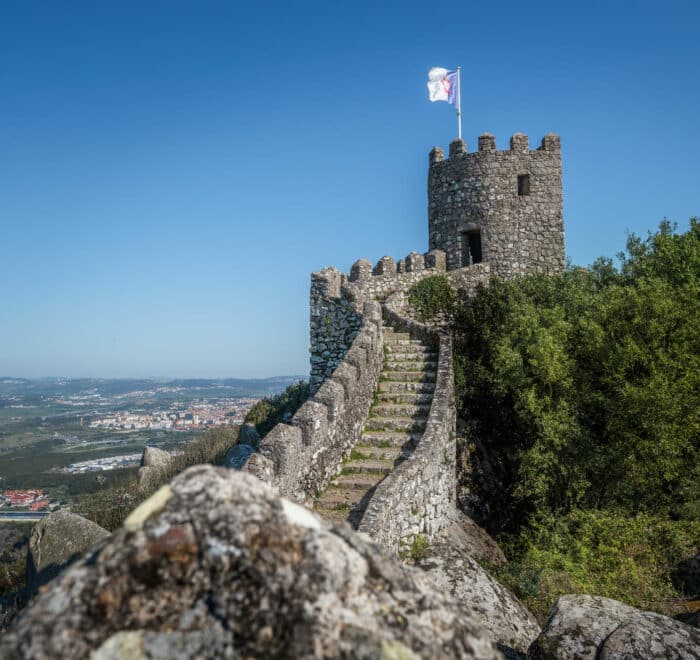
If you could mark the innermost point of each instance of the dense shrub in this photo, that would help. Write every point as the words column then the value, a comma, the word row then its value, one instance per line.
column 585, row 386
column 581, row 394
column 432, row 298
column 269, row 411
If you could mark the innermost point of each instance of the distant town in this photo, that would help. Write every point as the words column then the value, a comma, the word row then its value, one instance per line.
column 61, row 436
column 180, row 417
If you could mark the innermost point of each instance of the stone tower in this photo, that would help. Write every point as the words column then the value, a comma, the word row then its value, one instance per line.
column 499, row 207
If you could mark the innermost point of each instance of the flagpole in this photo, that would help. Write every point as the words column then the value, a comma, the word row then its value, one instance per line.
column 459, row 102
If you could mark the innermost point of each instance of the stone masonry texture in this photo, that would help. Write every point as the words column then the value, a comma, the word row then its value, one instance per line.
column 478, row 193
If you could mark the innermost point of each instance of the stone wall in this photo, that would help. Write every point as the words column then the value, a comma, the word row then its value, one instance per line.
column 301, row 457
column 520, row 228
column 415, row 498
column 336, row 300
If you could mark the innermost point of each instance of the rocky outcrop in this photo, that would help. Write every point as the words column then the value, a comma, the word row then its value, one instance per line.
column 464, row 533
column 450, row 566
column 154, row 463
column 581, row 627
column 217, row 565
column 55, row 541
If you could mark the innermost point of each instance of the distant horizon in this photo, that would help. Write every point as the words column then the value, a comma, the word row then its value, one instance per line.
column 156, row 378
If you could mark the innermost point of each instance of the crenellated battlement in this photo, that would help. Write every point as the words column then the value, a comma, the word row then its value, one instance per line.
column 519, row 146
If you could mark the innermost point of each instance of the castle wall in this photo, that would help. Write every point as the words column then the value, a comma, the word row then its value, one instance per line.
column 415, row 498
column 478, row 192
column 302, row 456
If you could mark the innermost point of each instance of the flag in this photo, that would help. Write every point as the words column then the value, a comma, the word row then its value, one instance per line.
column 442, row 85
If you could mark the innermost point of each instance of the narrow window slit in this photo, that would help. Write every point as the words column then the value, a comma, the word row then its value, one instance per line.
column 523, row 184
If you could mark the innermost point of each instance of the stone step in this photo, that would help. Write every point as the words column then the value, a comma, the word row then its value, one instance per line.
column 391, row 335
column 382, row 453
column 342, row 499
column 368, row 466
column 404, row 344
column 399, row 410
column 412, row 354
column 405, row 365
column 405, row 424
column 410, row 375
column 334, row 515
column 393, row 386
column 414, row 398
column 386, row 439
column 356, row 481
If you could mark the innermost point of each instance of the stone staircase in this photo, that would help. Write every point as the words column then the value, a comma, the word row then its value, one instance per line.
column 395, row 424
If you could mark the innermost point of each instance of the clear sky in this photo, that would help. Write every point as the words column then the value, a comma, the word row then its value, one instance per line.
column 171, row 172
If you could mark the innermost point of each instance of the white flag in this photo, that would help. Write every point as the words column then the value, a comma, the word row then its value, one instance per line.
column 442, row 85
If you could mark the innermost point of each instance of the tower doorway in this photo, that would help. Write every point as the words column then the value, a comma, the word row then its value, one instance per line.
column 471, row 248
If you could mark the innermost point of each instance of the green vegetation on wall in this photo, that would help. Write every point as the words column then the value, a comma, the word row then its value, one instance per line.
column 432, row 298
column 269, row 411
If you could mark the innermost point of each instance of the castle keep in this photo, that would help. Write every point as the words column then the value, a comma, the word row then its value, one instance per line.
column 375, row 445
column 499, row 207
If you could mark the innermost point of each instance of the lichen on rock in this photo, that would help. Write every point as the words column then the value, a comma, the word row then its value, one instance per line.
column 224, row 567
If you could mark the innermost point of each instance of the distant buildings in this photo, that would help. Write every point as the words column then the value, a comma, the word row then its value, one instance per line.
column 33, row 498
column 197, row 415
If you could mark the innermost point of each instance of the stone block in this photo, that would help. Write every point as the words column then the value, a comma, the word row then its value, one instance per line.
column 385, row 266
column 283, row 446
column 415, row 262
column 312, row 419
column 360, row 271
column 436, row 155
column 487, row 142
column 519, row 143
column 346, row 375
column 458, row 147
column 436, row 259
column 332, row 395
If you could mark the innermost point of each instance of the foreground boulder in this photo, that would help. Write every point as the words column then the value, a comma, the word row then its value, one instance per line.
column 217, row 565
column 451, row 564
column 55, row 541
column 602, row 629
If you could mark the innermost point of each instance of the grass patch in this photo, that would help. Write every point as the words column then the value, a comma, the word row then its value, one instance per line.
column 611, row 554
column 418, row 549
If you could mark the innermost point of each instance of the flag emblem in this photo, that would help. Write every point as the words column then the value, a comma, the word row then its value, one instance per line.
column 442, row 85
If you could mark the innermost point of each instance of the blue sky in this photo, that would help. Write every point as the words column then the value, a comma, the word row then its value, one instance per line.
column 173, row 171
